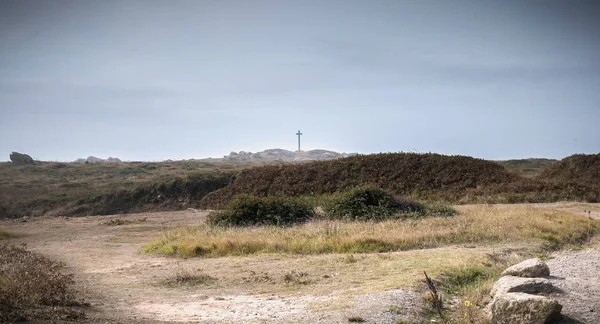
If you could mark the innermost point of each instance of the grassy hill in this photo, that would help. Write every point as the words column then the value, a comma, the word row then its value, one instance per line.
column 50, row 187
column 455, row 179
column 419, row 175
column 527, row 167
column 578, row 168
column 87, row 189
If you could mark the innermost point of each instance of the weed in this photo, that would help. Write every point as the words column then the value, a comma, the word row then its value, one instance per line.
column 395, row 309
column 296, row 277
column 118, row 222
column 188, row 278
column 350, row 259
column 436, row 299
column 356, row 319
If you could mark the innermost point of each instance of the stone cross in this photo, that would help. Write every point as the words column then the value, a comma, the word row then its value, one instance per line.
column 298, row 139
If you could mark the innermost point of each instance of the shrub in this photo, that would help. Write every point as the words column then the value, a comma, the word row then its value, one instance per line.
column 32, row 287
column 247, row 210
column 188, row 278
column 370, row 203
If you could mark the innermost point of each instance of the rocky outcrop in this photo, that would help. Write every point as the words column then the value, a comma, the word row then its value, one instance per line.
column 525, row 308
column 20, row 158
column 285, row 155
column 508, row 284
column 532, row 268
column 522, row 295
column 93, row 159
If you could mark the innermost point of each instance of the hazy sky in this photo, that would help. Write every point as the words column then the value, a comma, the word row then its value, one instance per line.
column 153, row 80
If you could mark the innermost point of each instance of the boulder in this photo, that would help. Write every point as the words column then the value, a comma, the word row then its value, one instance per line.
column 531, row 268
column 524, row 308
column 20, row 158
column 508, row 284
column 93, row 159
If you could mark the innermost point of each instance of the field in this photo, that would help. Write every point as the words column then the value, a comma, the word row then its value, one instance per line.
column 119, row 272
column 46, row 188
column 336, row 241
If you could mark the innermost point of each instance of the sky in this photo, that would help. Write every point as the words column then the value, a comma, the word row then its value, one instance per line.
column 153, row 80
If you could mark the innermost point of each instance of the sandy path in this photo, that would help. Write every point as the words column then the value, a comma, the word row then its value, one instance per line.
column 120, row 282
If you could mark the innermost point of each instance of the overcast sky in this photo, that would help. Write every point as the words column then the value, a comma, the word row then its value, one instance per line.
column 154, row 80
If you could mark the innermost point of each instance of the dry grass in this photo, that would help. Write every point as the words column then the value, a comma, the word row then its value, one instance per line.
column 121, row 221
column 187, row 278
column 479, row 225
column 33, row 287
column 331, row 274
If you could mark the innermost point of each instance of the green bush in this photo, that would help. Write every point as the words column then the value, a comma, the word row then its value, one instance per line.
column 370, row 203
column 247, row 210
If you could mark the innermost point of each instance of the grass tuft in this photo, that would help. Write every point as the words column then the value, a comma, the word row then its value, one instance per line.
column 356, row 319
column 118, row 222
column 475, row 225
column 188, row 278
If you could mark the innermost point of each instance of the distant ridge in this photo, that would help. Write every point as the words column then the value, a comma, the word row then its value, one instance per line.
column 285, row 155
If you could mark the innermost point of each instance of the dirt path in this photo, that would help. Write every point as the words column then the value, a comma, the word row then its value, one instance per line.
column 123, row 284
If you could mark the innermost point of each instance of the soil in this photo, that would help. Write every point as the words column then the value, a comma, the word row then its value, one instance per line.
column 121, row 283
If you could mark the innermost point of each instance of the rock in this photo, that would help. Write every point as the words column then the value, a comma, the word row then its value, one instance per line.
column 525, row 309
column 93, row 159
column 285, row 155
column 20, row 158
column 508, row 284
column 531, row 268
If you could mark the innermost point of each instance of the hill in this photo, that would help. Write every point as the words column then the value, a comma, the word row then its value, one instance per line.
column 527, row 167
column 49, row 188
column 456, row 179
column 578, row 168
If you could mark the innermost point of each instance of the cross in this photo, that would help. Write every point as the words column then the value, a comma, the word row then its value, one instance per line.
column 298, row 139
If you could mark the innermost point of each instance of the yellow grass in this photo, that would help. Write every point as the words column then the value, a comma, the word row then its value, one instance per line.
column 475, row 225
